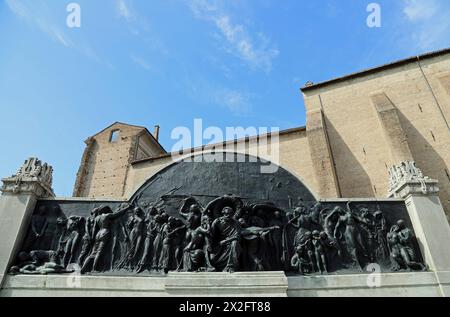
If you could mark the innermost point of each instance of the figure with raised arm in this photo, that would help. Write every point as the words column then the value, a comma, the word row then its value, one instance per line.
column 103, row 223
column 352, row 235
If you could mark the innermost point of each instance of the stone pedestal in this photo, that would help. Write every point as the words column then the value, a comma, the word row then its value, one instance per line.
column 241, row 284
column 20, row 194
column 257, row 284
column 428, row 218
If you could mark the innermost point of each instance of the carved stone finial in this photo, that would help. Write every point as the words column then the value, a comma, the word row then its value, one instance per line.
column 407, row 173
column 33, row 176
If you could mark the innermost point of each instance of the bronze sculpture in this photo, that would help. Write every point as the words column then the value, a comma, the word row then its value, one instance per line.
column 227, row 235
column 402, row 253
column 102, row 236
column 226, row 232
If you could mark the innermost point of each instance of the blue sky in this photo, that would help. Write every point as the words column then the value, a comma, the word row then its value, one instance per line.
column 166, row 62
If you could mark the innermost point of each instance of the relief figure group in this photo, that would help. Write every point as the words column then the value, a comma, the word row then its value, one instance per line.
column 226, row 235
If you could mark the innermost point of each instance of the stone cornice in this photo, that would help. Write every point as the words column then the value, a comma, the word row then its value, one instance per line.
column 40, row 190
column 415, row 187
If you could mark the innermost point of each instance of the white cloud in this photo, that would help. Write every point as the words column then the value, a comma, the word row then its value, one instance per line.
column 416, row 10
column 18, row 8
column 37, row 15
column 428, row 23
column 34, row 14
column 256, row 50
column 61, row 38
column 140, row 62
column 124, row 10
column 237, row 102
column 203, row 7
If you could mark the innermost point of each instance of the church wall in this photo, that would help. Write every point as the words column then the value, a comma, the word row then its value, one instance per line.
column 146, row 147
column 107, row 163
column 370, row 121
column 358, row 142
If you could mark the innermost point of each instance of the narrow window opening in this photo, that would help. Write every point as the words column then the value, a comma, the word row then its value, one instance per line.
column 114, row 136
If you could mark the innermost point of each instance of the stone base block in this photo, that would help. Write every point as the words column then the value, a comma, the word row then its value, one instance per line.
column 411, row 284
column 82, row 286
column 264, row 284
column 242, row 284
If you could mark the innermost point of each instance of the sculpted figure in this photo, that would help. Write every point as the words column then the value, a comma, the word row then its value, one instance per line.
column 194, row 256
column 303, row 259
column 263, row 236
column 57, row 228
column 380, row 233
column 206, row 230
column 103, row 222
column 214, row 208
column 319, row 252
column 316, row 212
column 37, row 237
column 37, row 169
column 61, row 224
column 255, row 245
column 74, row 232
column 150, row 234
column 291, row 232
column 167, row 259
column 324, row 249
column 275, row 241
column 401, row 250
column 227, row 235
column 179, row 243
column 352, row 235
column 121, row 242
column 38, row 262
column 329, row 224
column 190, row 244
column 160, row 221
column 368, row 232
column 136, row 225
column 197, row 253
column 192, row 214
column 301, row 218
column 88, row 238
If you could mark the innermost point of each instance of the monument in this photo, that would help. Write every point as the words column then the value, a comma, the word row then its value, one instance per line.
column 212, row 224
column 164, row 233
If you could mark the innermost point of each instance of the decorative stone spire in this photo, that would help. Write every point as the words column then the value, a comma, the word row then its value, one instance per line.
column 406, row 178
column 34, row 177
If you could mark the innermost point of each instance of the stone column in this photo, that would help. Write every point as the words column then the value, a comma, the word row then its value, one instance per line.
column 427, row 216
column 394, row 134
column 20, row 194
column 321, row 156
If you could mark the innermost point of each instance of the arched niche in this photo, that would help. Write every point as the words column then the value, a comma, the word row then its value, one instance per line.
column 231, row 173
